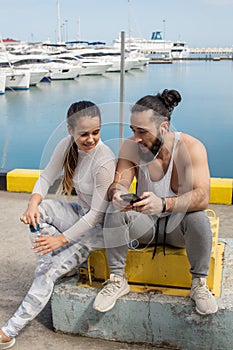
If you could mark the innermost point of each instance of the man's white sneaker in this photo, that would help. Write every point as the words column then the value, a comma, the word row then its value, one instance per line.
column 116, row 287
column 6, row 345
column 205, row 301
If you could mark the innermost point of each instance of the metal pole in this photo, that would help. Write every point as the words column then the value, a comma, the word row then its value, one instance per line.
column 122, row 80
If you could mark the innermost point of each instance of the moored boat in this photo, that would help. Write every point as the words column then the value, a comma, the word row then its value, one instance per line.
column 16, row 79
column 180, row 49
column 88, row 66
column 156, row 44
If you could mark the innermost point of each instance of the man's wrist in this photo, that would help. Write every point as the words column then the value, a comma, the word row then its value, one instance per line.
column 164, row 205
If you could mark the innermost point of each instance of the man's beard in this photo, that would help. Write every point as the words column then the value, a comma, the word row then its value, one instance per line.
column 152, row 152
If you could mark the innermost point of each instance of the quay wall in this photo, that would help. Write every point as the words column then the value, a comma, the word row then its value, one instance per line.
column 23, row 180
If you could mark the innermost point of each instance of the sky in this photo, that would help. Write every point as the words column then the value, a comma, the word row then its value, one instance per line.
column 201, row 23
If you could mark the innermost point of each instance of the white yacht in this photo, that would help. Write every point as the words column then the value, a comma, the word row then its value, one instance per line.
column 107, row 55
column 140, row 59
column 16, row 79
column 156, row 44
column 55, row 70
column 36, row 74
column 180, row 49
column 88, row 66
column 60, row 69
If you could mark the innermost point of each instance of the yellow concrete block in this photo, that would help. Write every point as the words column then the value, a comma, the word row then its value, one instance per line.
column 22, row 180
column 133, row 185
column 163, row 275
column 163, row 272
column 220, row 191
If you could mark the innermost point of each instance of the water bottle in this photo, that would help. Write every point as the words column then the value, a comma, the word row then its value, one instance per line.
column 44, row 261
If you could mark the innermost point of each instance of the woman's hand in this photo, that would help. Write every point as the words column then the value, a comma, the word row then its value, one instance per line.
column 150, row 204
column 46, row 244
column 32, row 214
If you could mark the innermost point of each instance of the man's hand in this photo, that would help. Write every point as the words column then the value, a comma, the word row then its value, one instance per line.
column 46, row 244
column 150, row 204
column 119, row 203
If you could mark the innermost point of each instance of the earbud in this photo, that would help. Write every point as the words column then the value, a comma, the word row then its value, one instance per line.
column 163, row 130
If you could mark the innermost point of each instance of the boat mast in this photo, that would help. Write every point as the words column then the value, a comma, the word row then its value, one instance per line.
column 129, row 24
column 129, row 19
column 79, row 33
column 58, row 22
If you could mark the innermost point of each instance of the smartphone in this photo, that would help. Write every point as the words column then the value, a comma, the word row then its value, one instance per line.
column 131, row 198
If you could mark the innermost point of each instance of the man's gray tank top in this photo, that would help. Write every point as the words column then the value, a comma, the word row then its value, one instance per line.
column 161, row 188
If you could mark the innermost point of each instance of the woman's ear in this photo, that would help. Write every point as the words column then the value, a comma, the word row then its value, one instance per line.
column 70, row 131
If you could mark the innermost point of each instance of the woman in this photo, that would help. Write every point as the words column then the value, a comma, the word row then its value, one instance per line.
column 69, row 231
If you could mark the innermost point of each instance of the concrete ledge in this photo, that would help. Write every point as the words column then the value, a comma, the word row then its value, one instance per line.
column 3, row 182
column 23, row 180
column 148, row 317
column 220, row 191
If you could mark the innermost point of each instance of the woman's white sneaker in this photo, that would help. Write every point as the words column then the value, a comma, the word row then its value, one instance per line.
column 205, row 302
column 115, row 287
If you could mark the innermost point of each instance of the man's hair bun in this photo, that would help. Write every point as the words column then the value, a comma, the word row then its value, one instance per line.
column 170, row 98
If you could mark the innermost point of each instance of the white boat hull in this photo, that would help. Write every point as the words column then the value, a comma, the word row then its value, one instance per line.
column 116, row 64
column 2, row 84
column 180, row 50
column 63, row 73
column 16, row 80
column 94, row 68
column 37, row 76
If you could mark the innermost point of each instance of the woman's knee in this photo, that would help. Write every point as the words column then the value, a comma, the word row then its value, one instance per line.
column 46, row 210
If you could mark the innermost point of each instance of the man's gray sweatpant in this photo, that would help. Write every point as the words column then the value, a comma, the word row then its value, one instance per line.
column 189, row 230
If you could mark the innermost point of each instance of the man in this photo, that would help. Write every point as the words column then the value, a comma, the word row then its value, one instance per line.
column 173, row 185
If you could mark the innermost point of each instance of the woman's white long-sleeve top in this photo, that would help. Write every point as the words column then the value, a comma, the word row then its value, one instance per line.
column 93, row 175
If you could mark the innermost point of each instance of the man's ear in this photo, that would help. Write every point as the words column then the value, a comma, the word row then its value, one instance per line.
column 164, row 127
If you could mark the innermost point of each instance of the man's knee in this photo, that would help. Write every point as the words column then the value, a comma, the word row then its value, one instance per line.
column 114, row 217
column 197, row 222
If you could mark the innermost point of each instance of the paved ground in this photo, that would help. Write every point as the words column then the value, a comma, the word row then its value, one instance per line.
column 17, row 262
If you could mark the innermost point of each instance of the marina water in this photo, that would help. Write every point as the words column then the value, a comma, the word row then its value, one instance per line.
column 33, row 121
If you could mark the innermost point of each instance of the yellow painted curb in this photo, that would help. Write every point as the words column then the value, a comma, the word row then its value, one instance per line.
column 220, row 191
column 22, row 180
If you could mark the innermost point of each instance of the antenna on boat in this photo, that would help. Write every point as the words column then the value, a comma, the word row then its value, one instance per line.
column 79, row 34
